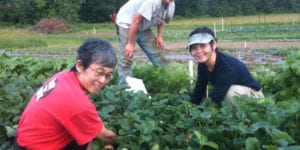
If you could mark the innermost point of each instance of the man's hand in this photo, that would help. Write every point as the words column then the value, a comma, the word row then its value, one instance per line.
column 113, row 17
column 128, row 51
column 160, row 42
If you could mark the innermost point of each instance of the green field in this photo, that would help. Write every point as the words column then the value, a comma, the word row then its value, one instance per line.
column 281, row 26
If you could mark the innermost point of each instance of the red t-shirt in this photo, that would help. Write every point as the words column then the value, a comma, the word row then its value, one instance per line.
column 58, row 113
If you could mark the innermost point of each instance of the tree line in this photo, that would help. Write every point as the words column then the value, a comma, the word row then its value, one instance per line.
column 95, row 11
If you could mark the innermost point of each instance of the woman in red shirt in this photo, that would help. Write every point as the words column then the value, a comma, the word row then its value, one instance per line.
column 60, row 114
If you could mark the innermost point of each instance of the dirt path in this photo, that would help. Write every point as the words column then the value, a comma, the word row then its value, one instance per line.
column 261, row 44
column 227, row 44
column 251, row 52
column 179, row 47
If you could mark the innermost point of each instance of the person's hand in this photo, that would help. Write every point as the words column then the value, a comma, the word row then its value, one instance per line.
column 160, row 43
column 110, row 137
column 89, row 147
column 108, row 147
column 113, row 17
column 107, row 136
column 128, row 51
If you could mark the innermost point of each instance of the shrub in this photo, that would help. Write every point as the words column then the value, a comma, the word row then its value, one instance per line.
column 172, row 79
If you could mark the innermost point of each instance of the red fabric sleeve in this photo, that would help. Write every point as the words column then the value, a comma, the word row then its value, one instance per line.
column 85, row 126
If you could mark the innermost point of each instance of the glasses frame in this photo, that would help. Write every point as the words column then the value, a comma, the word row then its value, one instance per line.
column 98, row 74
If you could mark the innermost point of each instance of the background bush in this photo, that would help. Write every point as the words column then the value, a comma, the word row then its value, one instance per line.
column 172, row 79
column 93, row 11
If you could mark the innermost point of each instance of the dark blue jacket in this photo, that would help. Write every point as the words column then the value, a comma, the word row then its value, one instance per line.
column 227, row 71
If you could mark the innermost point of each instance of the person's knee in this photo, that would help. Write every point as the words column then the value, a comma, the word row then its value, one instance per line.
column 232, row 91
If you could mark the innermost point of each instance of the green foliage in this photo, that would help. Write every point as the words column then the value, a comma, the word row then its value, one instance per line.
column 99, row 10
column 282, row 83
column 30, row 11
column 252, row 144
column 65, row 9
column 172, row 79
column 266, row 77
column 204, row 141
column 288, row 79
column 174, row 123
column 272, row 77
column 21, row 43
column 288, row 87
column 159, row 122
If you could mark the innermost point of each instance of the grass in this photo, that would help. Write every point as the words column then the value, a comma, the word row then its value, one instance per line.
column 281, row 26
column 239, row 20
column 19, row 39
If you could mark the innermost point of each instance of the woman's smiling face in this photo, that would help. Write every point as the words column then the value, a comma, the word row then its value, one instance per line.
column 93, row 78
column 202, row 52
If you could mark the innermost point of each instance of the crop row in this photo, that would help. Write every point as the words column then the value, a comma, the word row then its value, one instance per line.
column 166, row 119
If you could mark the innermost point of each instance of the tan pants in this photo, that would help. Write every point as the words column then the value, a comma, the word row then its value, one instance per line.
column 239, row 90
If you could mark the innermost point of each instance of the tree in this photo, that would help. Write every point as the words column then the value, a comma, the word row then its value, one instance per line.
column 266, row 6
column 248, row 7
column 31, row 11
column 28, row 11
column 295, row 6
column 64, row 9
column 219, row 8
column 6, row 7
column 99, row 10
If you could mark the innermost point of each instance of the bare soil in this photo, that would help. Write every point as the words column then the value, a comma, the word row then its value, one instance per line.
column 251, row 52
column 179, row 48
column 260, row 51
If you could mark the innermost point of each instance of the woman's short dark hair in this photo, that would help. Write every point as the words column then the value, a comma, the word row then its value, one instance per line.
column 96, row 51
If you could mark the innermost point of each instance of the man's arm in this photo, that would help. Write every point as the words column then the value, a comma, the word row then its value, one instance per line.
column 128, row 51
column 159, row 39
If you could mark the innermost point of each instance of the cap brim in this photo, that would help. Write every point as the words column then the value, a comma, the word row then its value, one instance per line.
column 200, row 38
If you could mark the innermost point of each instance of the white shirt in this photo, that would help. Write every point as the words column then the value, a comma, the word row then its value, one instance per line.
column 153, row 12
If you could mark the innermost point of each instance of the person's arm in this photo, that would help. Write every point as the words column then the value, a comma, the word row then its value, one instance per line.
column 200, row 87
column 128, row 51
column 107, row 136
column 199, row 92
column 159, row 39
column 87, row 125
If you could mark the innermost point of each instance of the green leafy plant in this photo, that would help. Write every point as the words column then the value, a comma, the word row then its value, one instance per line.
column 163, row 121
column 288, row 78
column 203, row 141
column 172, row 79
